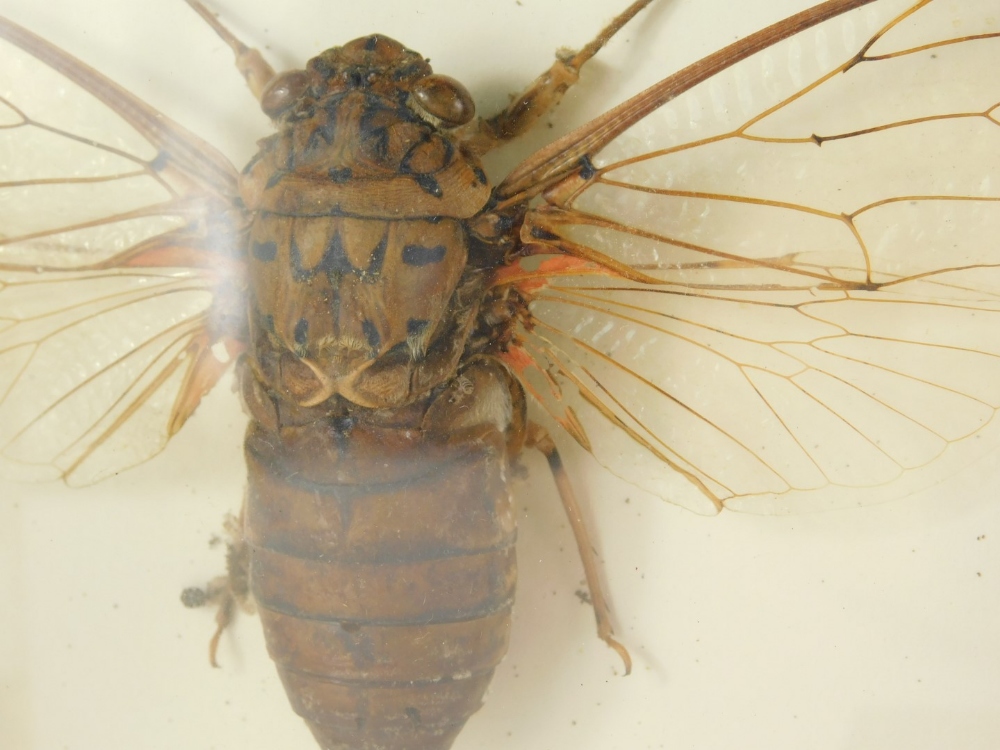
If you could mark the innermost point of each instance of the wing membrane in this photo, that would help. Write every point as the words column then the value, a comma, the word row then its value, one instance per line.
column 120, row 278
column 801, row 291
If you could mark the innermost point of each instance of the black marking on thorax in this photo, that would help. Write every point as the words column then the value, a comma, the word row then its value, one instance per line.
column 265, row 251
column 301, row 333
column 372, row 336
column 335, row 262
column 340, row 175
column 416, row 326
column 419, row 255
column 428, row 184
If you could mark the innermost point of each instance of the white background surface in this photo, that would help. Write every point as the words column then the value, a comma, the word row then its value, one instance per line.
column 870, row 628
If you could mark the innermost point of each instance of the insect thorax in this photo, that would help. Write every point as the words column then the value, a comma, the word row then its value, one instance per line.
column 361, row 283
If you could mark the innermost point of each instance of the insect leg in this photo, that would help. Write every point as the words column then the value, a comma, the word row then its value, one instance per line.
column 538, row 437
column 251, row 64
column 225, row 591
column 545, row 92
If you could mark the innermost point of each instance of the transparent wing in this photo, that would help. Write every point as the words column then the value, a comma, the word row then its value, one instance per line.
column 120, row 280
column 782, row 287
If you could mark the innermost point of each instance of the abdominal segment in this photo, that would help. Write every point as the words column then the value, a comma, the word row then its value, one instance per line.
column 382, row 563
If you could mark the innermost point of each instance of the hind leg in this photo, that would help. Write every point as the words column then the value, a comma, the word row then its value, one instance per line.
column 538, row 437
column 226, row 592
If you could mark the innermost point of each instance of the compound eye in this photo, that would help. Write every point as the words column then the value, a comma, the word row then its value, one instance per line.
column 445, row 98
column 283, row 92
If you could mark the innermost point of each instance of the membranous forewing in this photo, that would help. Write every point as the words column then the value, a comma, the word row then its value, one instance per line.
column 784, row 354
column 807, row 260
column 118, row 278
column 808, row 304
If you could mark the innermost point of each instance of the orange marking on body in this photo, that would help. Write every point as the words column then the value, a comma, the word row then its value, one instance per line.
column 528, row 281
column 518, row 359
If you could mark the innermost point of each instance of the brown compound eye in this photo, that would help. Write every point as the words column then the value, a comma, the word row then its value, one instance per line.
column 283, row 92
column 445, row 98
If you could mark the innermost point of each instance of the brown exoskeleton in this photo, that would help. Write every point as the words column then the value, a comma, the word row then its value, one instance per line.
column 351, row 389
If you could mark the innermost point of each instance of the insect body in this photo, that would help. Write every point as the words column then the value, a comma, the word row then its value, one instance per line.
column 379, row 527
column 352, row 265
column 385, row 570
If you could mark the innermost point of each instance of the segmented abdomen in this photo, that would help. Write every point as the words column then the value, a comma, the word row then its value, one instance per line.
column 384, row 570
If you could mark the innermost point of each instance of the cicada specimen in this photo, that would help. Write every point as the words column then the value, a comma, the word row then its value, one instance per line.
column 867, row 627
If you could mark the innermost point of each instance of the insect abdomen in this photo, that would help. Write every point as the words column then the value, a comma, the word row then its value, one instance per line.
column 385, row 601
